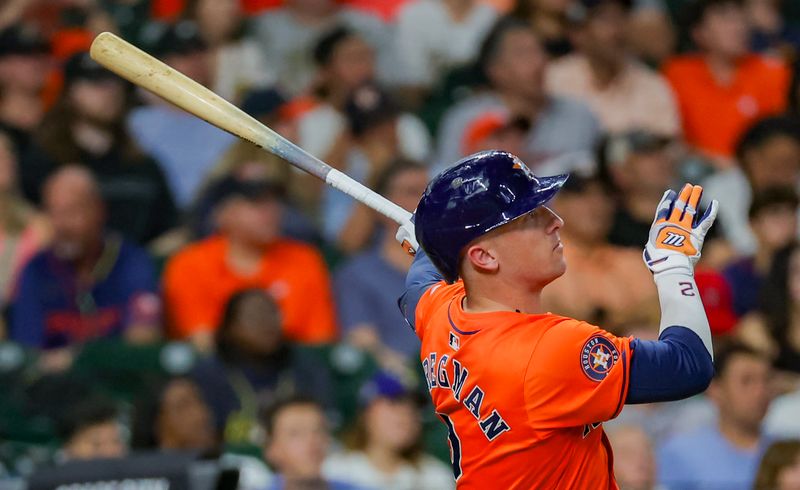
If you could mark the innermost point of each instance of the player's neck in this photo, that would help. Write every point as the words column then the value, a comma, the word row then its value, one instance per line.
column 501, row 297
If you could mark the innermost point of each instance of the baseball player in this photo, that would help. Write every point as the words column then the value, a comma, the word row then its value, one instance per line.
column 523, row 392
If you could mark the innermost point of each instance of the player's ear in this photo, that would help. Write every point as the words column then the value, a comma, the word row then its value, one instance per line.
column 482, row 258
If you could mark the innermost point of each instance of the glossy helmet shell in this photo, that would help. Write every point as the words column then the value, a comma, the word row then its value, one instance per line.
column 476, row 195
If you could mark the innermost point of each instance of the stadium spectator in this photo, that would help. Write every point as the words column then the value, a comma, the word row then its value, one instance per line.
column 604, row 284
column 298, row 438
column 768, row 155
column 769, row 32
column 173, row 416
column 193, row 145
column 512, row 60
column 87, row 284
column 92, row 429
column 550, row 21
column 724, row 455
column 773, row 219
column 623, row 93
column 23, row 66
column 288, row 36
column 651, row 34
column 774, row 328
column 87, row 126
column 248, row 252
column 373, row 137
column 640, row 166
column 23, row 231
column 634, row 460
column 253, row 366
column 434, row 36
column 238, row 63
column 346, row 62
column 780, row 467
column 368, row 285
column 494, row 130
column 385, row 450
column 725, row 79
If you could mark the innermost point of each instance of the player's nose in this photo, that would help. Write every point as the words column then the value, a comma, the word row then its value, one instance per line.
column 556, row 222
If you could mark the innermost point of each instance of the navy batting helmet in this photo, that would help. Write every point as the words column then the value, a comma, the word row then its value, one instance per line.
column 478, row 194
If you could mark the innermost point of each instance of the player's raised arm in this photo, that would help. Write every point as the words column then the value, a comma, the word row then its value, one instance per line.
column 680, row 363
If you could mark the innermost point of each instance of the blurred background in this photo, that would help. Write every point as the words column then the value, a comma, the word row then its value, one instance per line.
column 181, row 309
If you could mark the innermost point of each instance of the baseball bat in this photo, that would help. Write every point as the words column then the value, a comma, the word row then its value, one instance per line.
column 144, row 70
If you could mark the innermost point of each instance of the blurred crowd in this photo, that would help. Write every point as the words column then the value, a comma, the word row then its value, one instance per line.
column 166, row 287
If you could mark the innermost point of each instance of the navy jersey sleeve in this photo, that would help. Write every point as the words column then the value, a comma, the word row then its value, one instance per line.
column 675, row 366
column 422, row 275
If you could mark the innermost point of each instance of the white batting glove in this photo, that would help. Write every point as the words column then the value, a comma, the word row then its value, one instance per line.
column 407, row 237
column 676, row 237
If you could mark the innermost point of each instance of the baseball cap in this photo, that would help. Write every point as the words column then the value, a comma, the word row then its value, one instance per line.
column 22, row 40
column 169, row 39
column 488, row 124
column 368, row 106
column 250, row 189
column 263, row 102
column 81, row 66
column 717, row 300
column 384, row 384
column 621, row 146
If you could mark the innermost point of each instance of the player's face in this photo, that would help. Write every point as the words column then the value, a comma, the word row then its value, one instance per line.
column 393, row 425
column 530, row 251
column 299, row 441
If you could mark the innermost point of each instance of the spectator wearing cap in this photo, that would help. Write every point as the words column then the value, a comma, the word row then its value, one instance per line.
column 604, row 284
column 373, row 135
column 496, row 130
column 298, row 437
column 184, row 145
column 238, row 63
column 367, row 286
column 23, row 70
column 87, row 284
column 773, row 219
column 253, row 366
column 385, row 447
column 288, row 36
column 346, row 62
column 724, row 454
column 549, row 20
column 640, row 166
column 770, row 32
column 435, row 36
column 624, row 94
column 512, row 61
column 92, row 429
column 87, row 127
column 768, row 155
column 248, row 251
column 724, row 79
column 23, row 230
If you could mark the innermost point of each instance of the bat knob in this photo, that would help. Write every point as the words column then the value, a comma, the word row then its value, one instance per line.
column 407, row 238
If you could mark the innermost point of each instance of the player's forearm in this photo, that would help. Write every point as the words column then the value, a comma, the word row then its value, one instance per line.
column 422, row 275
column 681, row 306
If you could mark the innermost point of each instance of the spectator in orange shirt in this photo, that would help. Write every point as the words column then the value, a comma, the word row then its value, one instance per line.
column 604, row 283
column 723, row 88
column 248, row 252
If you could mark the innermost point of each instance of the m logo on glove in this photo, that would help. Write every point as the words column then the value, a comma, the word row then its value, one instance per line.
column 674, row 238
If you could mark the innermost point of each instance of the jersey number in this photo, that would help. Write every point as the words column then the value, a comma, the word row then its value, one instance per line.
column 455, row 445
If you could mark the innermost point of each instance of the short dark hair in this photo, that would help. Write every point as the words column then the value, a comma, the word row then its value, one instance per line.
column 273, row 411
column 695, row 12
column 764, row 130
column 395, row 168
column 728, row 350
column 328, row 42
column 773, row 197
column 85, row 414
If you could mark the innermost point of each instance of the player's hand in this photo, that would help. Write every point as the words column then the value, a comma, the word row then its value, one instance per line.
column 677, row 234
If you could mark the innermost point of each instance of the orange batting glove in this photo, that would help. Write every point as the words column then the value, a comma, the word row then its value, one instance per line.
column 677, row 235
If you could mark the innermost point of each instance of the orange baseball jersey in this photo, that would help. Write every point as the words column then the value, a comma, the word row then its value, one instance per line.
column 523, row 396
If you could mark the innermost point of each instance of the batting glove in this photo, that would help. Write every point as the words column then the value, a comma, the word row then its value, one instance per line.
column 676, row 236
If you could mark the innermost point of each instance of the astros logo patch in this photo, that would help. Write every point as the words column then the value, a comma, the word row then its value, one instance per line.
column 598, row 356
